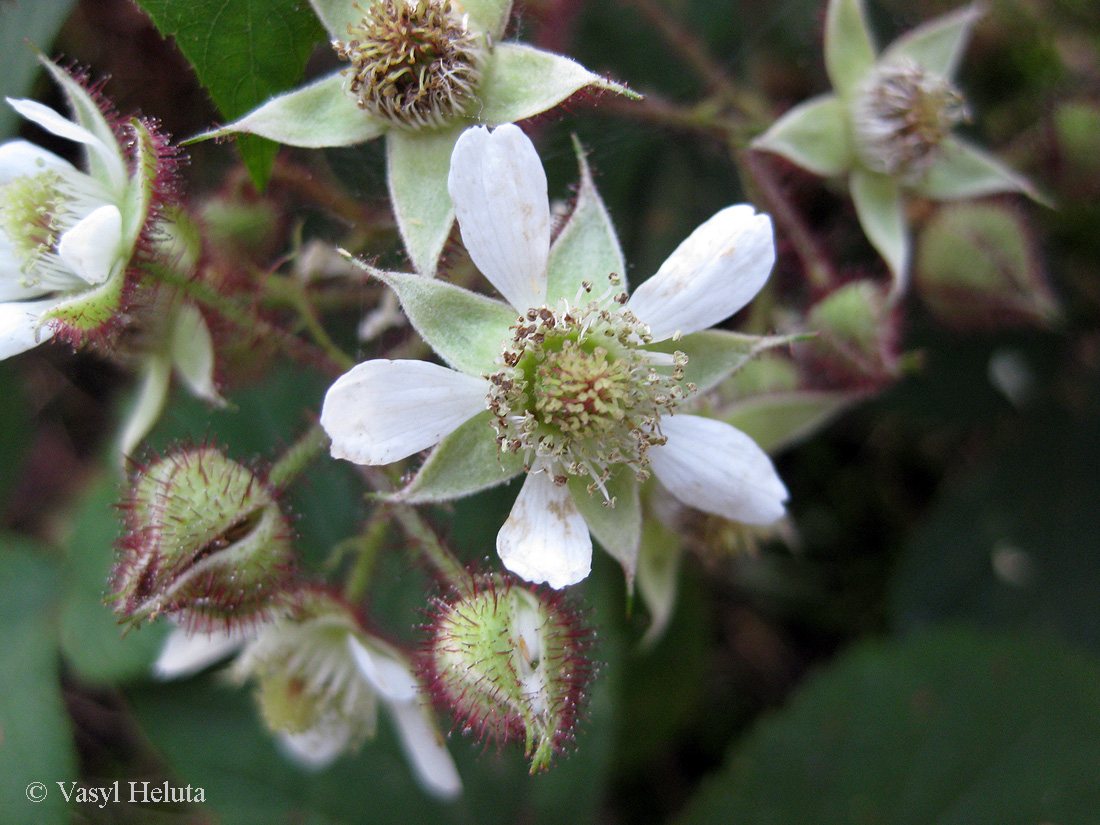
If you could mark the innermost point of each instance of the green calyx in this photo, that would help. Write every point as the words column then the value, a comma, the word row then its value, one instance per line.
column 510, row 662
column 206, row 541
column 415, row 64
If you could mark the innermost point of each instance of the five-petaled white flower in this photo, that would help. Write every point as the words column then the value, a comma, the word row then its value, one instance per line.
column 581, row 389
column 67, row 236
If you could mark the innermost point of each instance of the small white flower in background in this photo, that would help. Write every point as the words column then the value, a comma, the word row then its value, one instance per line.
column 67, row 236
column 319, row 679
column 580, row 391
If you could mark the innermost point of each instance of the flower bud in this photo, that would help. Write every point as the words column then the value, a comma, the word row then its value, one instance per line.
column 856, row 335
column 510, row 662
column 976, row 267
column 206, row 542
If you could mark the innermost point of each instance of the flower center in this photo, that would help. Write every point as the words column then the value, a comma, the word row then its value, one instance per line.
column 414, row 63
column 578, row 394
column 31, row 209
column 902, row 116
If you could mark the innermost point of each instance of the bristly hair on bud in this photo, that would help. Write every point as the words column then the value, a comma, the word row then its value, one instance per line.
column 206, row 543
column 511, row 662
column 414, row 63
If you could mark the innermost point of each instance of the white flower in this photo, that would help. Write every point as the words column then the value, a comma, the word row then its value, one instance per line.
column 580, row 392
column 319, row 680
column 67, row 236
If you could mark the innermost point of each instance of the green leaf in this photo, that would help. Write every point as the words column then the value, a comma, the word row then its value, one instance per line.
column 815, row 135
column 938, row 45
column 965, row 171
column 21, row 22
column 950, row 727
column 587, row 248
column 91, row 638
column 37, row 744
column 1014, row 545
column 777, row 421
column 714, row 354
column 849, row 48
column 466, row 461
column 618, row 528
column 244, row 52
column 466, row 329
column 417, row 164
column 881, row 212
column 317, row 115
column 521, row 81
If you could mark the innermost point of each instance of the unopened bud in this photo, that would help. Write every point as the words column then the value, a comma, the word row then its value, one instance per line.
column 855, row 334
column 510, row 662
column 206, row 542
column 976, row 267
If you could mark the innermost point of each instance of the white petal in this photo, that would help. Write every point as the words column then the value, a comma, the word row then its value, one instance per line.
column 499, row 192
column 425, row 750
column 185, row 654
column 91, row 248
column 19, row 326
column 712, row 274
column 315, row 748
column 381, row 411
column 390, row 678
column 18, row 159
column 712, row 466
column 61, row 126
column 545, row 538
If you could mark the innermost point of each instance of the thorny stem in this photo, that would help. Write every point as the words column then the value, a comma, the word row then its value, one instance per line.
column 209, row 297
column 696, row 56
column 310, row 445
column 450, row 569
column 755, row 170
column 366, row 547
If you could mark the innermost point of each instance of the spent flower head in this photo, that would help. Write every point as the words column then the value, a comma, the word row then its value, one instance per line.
column 70, row 238
column 886, row 126
column 418, row 72
column 571, row 380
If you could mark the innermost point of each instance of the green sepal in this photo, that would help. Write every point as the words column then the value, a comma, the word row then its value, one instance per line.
column 148, row 403
column 192, row 352
column 587, row 248
column 849, row 48
column 964, row 171
column 938, row 45
column 780, row 420
column 715, row 354
column 618, row 529
column 466, row 461
column 814, row 135
column 659, row 557
column 92, row 309
column 417, row 164
column 139, row 196
column 521, row 81
column 466, row 329
column 314, row 116
column 490, row 16
column 89, row 115
column 881, row 213
column 337, row 15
